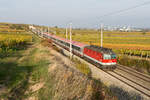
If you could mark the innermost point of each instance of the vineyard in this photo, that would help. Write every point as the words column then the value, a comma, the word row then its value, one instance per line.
column 13, row 28
column 140, row 53
column 126, row 43
column 13, row 42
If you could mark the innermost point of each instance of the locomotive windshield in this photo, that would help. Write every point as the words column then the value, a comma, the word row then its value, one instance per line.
column 107, row 56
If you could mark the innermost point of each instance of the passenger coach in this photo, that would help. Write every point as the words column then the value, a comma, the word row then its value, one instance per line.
column 104, row 58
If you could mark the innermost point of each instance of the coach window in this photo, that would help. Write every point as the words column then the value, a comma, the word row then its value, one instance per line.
column 73, row 46
column 77, row 48
column 67, row 44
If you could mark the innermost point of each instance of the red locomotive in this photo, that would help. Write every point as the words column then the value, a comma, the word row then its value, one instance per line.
column 104, row 58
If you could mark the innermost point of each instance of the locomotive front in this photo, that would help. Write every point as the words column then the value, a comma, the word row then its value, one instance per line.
column 103, row 57
column 109, row 60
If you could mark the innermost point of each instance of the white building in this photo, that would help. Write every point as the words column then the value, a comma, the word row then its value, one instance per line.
column 31, row 27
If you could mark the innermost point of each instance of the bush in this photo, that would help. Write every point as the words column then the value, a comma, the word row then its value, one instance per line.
column 138, row 64
column 13, row 42
column 84, row 68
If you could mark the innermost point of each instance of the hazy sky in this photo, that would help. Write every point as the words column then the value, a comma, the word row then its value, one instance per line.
column 82, row 13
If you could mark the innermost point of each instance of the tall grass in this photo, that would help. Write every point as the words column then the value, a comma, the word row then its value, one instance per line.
column 82, row 67
column 19, row 69
column 13, row 42
column 138, row 64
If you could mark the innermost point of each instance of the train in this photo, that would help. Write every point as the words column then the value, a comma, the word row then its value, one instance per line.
column 104, row 58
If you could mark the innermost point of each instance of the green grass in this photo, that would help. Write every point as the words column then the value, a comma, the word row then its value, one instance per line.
column 137, row 64
column 10, row 43
column 46, row 93
column 14, row 76
column 82, row 67
column 17, row 69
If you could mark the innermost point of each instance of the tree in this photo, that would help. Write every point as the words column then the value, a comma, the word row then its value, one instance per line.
column 56, row 26
column 144, row 32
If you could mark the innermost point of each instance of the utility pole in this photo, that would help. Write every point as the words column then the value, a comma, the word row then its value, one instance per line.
column 48, row 29
column 70, row 40
column 66, row 33
column 42, row 32
column 101, row 35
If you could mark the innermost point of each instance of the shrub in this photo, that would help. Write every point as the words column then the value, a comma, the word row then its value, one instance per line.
column 138, row 64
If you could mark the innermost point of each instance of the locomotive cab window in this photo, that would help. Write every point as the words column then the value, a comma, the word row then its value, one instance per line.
column 113, row 56
column 106, row 56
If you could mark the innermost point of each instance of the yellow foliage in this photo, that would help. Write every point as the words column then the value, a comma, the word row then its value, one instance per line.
column 8, row 40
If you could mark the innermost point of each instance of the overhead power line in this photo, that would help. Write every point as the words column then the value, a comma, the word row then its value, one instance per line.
column 127, row 9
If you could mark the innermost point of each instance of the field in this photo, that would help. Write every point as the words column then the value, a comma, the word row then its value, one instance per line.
column 10, row 43
column 9, row 27
column 111, row 39
column 14, row 39
column 129, row 43
column 12, row 35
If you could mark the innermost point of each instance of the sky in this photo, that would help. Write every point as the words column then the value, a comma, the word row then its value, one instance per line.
column 81, row 13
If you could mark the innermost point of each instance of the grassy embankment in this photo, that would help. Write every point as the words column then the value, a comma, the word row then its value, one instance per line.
column 18, row 63
column 83, row 67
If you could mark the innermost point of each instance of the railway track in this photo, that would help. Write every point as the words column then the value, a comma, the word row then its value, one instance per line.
column 138, row 78
column 142, row 89
column 134, row 79
column 134, row 72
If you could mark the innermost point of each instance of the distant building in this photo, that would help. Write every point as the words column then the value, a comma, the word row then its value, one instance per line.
column 122, row 28
column 31, row 27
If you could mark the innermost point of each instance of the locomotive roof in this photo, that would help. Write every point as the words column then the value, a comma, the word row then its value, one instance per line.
column 100, row 49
